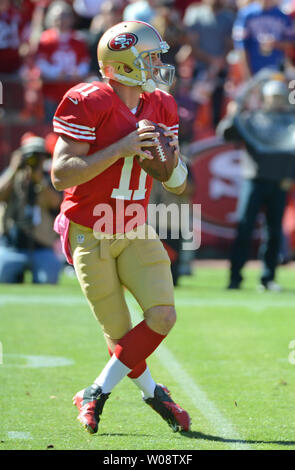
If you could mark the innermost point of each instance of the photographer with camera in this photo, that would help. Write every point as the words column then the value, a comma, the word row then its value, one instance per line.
column 268, row 169
column 29, row 206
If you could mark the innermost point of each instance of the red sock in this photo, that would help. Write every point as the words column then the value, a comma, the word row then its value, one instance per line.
column 136, row 371
column 137, row 345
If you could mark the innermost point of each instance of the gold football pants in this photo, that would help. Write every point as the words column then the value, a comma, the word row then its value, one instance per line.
column 104, row 266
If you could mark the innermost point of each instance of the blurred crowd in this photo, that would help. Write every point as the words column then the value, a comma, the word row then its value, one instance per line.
column 47, row 46
column 216, row 47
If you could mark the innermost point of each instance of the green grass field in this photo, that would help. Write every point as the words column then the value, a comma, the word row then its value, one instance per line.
column 227, row 361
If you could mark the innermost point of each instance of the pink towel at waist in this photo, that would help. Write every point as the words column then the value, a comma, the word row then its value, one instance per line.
column 61, row 226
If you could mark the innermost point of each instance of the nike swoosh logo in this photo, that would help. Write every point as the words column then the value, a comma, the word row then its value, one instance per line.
column 73, row 100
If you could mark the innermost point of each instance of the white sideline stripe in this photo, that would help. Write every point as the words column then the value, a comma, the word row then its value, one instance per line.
column 254, row 303
column 37, row 361
column 222, row 426
column 19, row 435
column 198, row 397
column 40, row 299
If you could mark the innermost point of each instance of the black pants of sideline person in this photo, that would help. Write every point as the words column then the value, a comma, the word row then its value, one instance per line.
column 255, row 195
column 173, row 248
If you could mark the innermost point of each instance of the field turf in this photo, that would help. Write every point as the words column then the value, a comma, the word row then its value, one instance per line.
column 229, row 361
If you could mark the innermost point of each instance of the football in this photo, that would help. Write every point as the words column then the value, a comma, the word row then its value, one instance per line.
column 163, row 163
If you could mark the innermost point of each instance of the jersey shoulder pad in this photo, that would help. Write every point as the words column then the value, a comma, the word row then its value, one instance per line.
column 79, row 113
column 167, row 105
column 166, row 100
column 89, row 92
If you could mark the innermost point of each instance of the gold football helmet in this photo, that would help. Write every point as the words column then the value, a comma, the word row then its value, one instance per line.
column 129, row 53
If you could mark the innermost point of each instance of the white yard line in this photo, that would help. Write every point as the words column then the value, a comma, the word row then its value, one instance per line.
column 35, row 362
column 259, row 304
column 40, row 299
column 19, row 435
column 221, row 425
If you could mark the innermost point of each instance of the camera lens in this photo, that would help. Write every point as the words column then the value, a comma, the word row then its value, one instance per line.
column 33, row 160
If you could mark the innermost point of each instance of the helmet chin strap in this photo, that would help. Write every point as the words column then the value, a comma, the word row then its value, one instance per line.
column 149, row 86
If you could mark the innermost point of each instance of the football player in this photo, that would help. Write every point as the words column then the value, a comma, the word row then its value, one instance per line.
column 94, row 165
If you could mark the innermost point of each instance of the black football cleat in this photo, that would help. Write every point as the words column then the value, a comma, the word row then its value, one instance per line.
column 177, row 418
column 90, row 403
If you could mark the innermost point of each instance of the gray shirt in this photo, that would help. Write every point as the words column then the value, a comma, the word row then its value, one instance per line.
column 213, row 29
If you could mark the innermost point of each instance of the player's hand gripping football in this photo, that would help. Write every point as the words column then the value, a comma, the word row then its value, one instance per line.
column 174, row 142
column 132, row 144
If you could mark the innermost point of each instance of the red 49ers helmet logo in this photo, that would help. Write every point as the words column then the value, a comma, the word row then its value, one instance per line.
column 122, row 41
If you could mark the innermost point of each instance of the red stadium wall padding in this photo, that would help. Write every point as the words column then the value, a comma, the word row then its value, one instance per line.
column 216, row 170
